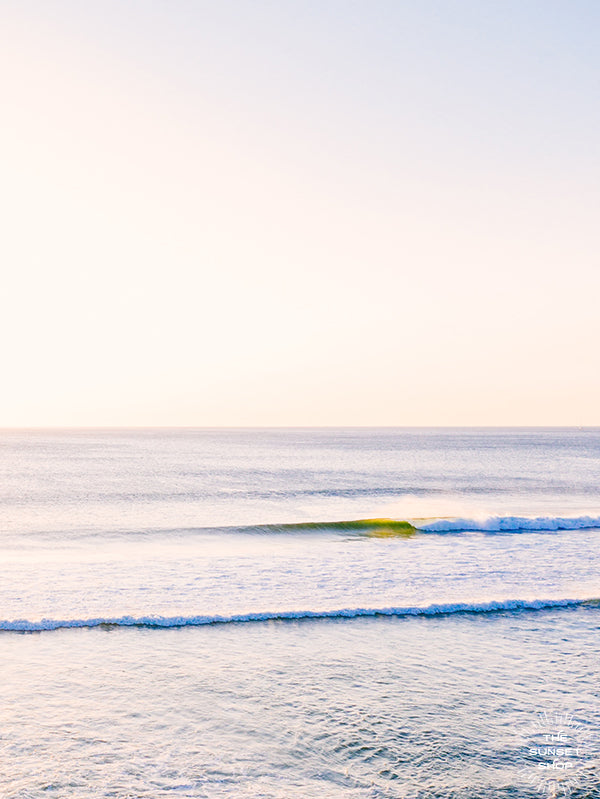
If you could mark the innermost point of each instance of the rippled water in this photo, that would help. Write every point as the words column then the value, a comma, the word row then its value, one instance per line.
column 386, row 708
column 183, row 558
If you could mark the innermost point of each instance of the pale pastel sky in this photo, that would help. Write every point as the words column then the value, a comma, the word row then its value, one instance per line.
column 300, row 212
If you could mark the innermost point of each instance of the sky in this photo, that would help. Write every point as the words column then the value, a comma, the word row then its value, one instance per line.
column 299, row 212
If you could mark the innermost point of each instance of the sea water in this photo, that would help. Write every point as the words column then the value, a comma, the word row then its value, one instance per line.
column 299, row 613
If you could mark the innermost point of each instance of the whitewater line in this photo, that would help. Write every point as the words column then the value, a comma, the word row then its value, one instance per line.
column 23, row 625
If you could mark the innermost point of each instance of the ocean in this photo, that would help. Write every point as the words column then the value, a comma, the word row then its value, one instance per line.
column 385, row 613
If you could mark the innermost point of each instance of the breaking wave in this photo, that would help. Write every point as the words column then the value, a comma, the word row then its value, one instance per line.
column 509, row 524
column 385, row 527
column 23, row 625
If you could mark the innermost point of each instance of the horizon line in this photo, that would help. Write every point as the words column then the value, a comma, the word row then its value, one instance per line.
column 305, row 427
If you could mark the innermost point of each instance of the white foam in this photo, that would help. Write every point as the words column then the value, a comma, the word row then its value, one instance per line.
column 509, row 524
column 23, row 625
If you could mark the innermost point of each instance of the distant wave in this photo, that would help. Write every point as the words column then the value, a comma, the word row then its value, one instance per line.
column 397, row 527
column 23, row 625
column 372, row 526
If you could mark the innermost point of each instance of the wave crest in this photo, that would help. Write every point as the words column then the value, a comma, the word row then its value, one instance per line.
column 434, row 524
column 495, row 524
column 23, row 625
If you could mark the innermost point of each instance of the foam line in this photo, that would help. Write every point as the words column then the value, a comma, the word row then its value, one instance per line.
column 23, row 625
column 509, row 524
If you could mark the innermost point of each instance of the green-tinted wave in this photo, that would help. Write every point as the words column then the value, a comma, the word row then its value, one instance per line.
column 379, row 528
column 383, row 528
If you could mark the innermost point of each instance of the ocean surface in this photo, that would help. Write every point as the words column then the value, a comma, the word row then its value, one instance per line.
column 398, row 613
